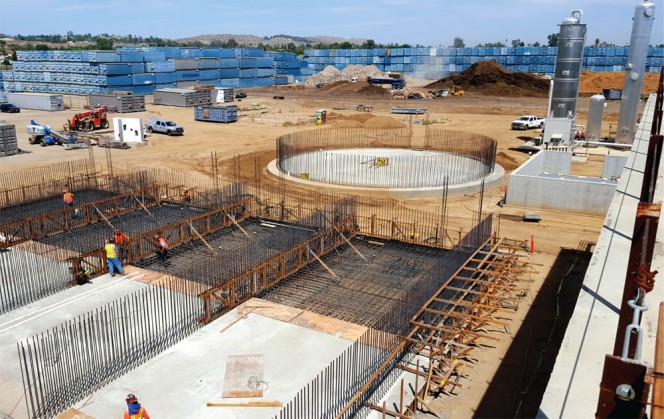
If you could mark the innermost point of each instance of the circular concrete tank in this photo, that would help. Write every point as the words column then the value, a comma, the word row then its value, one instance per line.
column 354, row 160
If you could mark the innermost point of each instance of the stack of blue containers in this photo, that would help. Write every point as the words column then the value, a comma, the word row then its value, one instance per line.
column 434, row 62
column 289, row 68
column 142, row 70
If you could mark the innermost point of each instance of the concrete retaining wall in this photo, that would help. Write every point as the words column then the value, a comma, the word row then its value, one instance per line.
column 560, row 194
column 613, row 166
column 542, row 182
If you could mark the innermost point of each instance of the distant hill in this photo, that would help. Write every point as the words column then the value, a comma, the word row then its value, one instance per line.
column 271, row 40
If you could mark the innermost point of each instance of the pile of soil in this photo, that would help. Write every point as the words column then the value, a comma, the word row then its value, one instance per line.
column 594, row 82
column 365, row 120
column 383, row 122
column 342, row 88
column 489, row 78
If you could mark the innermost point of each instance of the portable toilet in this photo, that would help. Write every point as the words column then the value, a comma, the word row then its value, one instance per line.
column 321, row 117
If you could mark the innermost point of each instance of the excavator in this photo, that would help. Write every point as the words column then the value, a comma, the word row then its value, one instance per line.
column 88, row 121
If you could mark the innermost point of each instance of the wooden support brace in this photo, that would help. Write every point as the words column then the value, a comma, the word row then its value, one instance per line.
column 342, row 235
column 201, row 237
column 321, row 261
column 237, row 224
column 143, row 206
column 102, row 216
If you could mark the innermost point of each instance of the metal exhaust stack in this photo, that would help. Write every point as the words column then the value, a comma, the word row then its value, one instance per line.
column 644, row 15
column 562, row 113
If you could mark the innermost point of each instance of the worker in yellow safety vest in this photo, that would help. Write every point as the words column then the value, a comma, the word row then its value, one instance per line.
column 134, row 409
column 112, row 259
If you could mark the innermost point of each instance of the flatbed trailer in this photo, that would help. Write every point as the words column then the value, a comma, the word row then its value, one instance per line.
column 409, row 111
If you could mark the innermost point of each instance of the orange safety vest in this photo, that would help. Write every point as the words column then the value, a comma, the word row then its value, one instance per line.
column 140, row 415
column 162, row 243
column 68, row 197
column 120, row 238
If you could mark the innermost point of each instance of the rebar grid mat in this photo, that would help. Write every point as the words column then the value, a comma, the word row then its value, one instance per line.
column 362, row 291
column 232, row 251
column 459, row 317
column 24, row 210
column 444, row 328
column 93, row 236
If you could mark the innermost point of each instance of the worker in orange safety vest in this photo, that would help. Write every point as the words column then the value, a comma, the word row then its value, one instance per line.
column 134, row 409
column 68, row 198
column 162, row 247
column 121, row 241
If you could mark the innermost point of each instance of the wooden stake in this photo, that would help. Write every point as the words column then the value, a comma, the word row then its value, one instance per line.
column 251, row 403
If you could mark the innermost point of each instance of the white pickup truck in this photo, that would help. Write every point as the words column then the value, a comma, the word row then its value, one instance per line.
column 164, row 126
column 528, row 121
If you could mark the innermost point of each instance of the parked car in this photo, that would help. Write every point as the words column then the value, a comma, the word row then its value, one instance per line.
column 240, row 95
column 8, row 107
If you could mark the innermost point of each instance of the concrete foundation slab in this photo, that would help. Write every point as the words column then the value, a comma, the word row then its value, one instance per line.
column 42, row 315
column 179, row 382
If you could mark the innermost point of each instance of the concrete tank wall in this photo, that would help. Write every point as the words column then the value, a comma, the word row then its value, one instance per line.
column 557, row 162
column 560, row 194
column 543, row 182
column 613, row 166
column 546, row 161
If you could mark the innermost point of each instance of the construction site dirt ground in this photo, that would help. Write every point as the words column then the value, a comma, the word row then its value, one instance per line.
column 516, row 367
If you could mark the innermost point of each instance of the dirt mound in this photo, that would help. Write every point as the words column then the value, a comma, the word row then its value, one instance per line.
column 489, row 78
column 383, row 122
column 348, row 123
column 592, row 82
column 342, row 88
column 360, row 117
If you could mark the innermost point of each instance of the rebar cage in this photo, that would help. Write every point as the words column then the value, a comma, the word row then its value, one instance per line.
column 377, row 158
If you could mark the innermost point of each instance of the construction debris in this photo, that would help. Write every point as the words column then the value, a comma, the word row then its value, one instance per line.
column 331, row 74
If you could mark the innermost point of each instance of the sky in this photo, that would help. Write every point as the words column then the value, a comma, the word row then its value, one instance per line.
column 425, row 22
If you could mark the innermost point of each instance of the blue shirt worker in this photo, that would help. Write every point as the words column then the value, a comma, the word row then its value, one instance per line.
column 112, row 258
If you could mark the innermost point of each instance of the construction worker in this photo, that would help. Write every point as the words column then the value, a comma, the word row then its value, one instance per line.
column 68, row 198
column 112, row 260
column 134, row 409
column 121, row 241
column 162, row 247
column 186, row 196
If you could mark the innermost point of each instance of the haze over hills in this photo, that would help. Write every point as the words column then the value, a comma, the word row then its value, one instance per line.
column 271, row 40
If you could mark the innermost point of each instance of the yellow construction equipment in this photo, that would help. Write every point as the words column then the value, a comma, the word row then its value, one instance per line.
column 456, row 91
